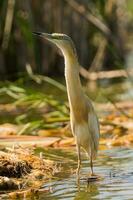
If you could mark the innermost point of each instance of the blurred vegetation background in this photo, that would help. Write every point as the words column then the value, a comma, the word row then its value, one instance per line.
column 30, row 95
column 101, row 30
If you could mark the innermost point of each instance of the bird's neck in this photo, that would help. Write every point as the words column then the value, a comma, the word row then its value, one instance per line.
column 73, row 83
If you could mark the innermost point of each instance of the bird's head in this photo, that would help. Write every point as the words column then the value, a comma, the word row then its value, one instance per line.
column 62, row 41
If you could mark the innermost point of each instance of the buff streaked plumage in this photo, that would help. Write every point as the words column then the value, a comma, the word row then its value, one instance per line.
column 83, row 119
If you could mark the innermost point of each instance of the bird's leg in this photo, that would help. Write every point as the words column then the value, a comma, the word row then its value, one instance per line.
column 79, row 159
column 91, row 165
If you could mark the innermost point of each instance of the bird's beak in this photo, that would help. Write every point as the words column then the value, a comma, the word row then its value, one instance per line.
column 44, row 35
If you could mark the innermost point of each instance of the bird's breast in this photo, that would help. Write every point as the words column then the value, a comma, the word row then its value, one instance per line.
column 82, row 135
column 79, row 112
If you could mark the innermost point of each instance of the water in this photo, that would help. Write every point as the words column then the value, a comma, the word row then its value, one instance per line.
column 115, row 166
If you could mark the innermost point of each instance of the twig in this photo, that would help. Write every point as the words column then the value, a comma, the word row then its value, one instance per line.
column 89, row 17
column 8, row 23
column 40, row 78
column 94, row 21
column 105, row 74
column 99, row 57
column 117, row 108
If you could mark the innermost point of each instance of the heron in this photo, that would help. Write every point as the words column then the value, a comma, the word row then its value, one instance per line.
column 83, row 119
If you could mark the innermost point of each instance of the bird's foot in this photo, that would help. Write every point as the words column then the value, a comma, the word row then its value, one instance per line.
column 92, row 174
column 78, row 171
column 93, row 177
column 78, row 168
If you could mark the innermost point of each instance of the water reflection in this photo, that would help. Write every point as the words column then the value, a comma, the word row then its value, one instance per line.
column 115, row 166
column 88, row 192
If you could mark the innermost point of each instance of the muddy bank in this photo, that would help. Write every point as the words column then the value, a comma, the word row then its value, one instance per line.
column 21, row 171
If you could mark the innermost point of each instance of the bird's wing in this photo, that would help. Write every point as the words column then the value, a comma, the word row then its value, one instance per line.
column 94, row 131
